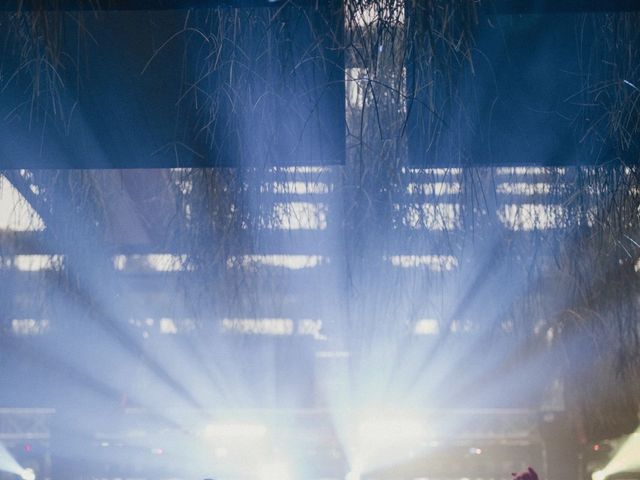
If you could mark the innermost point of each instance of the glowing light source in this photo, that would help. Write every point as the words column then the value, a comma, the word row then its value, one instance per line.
column 29, row 326
column 523, row 188
column 311, row 328
column 431, row 216
column 168, row 326
column 296, row 188
column 432, row 171
column 28, row 474
column 531, row 216
column 434, row 188
column 426, row 326
column 435, row 263
column 306, row 327
column 355, row 81
column 157, row 262
column 301, row 169
column 529, row 170
column 36, row 263
column 291, row 262
column 258, row 326
column 298, row 216
column 598, row 475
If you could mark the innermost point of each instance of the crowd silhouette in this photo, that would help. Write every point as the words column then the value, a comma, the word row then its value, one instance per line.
column 529, row 474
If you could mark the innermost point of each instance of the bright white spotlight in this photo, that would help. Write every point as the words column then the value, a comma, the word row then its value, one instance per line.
column 235, row 431
column 274, row 471
column 28, row 474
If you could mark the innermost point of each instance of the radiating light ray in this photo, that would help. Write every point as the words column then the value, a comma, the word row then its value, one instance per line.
column 8, row 463
column 626, row 459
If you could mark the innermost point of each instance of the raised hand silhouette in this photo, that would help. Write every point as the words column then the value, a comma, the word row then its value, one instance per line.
column 529, row 474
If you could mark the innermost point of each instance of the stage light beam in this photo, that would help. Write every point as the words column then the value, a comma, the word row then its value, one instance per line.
column 625, row 460
column 28, row 474
column 235, row 431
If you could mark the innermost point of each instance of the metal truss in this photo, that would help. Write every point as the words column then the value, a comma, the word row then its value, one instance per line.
column 25, row 423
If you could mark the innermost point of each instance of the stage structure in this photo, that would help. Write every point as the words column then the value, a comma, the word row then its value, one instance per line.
column 254, row 219
column 26, row 433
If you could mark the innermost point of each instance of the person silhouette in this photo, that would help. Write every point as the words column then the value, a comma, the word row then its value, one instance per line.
column 529, row 474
